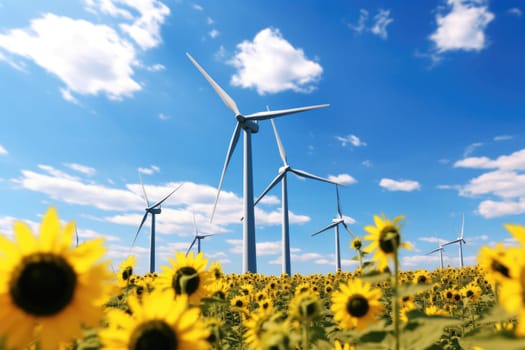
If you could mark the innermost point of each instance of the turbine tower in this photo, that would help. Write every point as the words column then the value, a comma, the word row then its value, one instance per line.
column 282, row 177
column 248, row 123
column 440, row 250
column 153, row 210
column 339, row 220
column 198, row 237
column 460, row 241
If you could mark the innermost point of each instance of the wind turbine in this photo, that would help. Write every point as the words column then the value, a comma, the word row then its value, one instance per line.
column 281, row 176
column 459, row 240
column 440, row 249
column 153, row 210
column 248, row 123
column 198, row 237
column 335, row 224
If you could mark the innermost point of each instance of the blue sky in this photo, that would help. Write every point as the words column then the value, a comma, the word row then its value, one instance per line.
column 426, row 120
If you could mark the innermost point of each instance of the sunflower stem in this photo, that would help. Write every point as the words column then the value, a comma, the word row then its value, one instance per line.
column 306, row 336
column 396, row 297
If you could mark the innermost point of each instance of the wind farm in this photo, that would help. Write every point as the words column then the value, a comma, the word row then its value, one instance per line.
column 151, row 209
column 249, row 124
column 127, row 98
column 282, row 177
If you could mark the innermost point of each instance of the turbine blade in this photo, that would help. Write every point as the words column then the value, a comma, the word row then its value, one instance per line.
column 303, row 173
column 462, row 225
column 195, row 225
column 347, row 228
column 270, row 186
column 140, row 226
column 279, row 113
column 207, row 235
column 228, row 101
column 433, row 251
column 76, row 235
column 191, row 245
column 168, row 196
column 144, row 191
column 338, row 202
column 451, row 242
column 231, row 148
column 279, row 143
column 325, row 229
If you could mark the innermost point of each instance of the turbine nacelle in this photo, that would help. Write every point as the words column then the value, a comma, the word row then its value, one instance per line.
column 284, row 169
column 247, row 124
column 153, row 210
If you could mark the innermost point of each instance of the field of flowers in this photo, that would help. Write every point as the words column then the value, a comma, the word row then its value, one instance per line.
column 56, row 295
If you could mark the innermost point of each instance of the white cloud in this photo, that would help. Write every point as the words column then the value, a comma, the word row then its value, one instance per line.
column 382, row 20
column 343, row 179
column 149, row 171
column 90, row 59
column 3, row 151
column 367, row 163
column 210, row 21
column 463, row 28
column 145, row 28
column 361, row 23
column 129, row 202
column 432, row 239
column 506, row 181
column 163, row 116
column 213, row 33
column 514, row 161
column 352, row 139
column 502, row 183
column 403, row 185
column 66, row 95
column 379, row 26
column 197, row 7
column 413, row 261
column 502, row 138
column 262, row 248
column 156, row 67
column 471, row 148
column 270, row 64
column 84, row 169
column 515, row 12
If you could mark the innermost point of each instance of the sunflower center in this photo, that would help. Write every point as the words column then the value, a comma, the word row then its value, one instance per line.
column 43, row 284
column 421, row 279
column 470, row 293
column 499, row 267
column 155, row 334
column 308, row 308
column 126, row 274
column 389, row 239
column 357, row 306
column 185, row 281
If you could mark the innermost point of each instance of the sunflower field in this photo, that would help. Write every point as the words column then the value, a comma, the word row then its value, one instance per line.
column 56, row 295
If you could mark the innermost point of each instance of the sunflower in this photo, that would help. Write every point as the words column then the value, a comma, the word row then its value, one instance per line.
column 342, row 346
column 159, row 322
column 495, row 262
column 305, row 306
column 385, row 236
column 187, row 275
column 48, row 288
column 240, row 303
column 125, row 270
column 216, row 270
column 422, row 277
column 256, row 324
column 356, row 304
